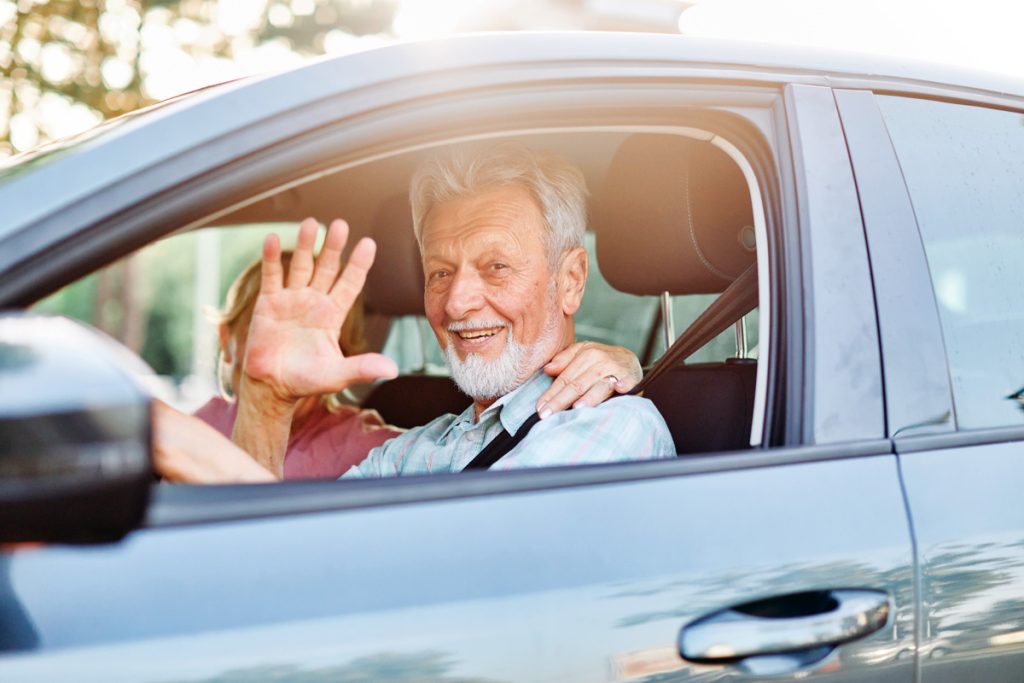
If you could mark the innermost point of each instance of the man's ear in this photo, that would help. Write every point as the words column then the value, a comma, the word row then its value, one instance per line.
column 226, row 347
column 572, row 278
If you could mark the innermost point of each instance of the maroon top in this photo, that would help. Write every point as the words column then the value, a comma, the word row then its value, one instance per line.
column 326, row 444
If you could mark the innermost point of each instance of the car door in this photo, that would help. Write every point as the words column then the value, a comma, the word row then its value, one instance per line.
column 940, row 185
column 781, row 562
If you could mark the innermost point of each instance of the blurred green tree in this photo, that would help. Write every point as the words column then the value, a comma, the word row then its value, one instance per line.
column 66, row 65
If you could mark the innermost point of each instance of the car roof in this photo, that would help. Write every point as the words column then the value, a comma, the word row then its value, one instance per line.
column 483, row 49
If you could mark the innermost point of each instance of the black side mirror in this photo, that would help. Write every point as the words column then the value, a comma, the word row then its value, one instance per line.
column 75, row 446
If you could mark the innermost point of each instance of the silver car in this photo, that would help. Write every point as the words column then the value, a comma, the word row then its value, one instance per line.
column 847, row 502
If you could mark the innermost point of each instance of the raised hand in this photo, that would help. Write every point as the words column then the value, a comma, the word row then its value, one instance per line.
column 586, row 374
column 292, row 347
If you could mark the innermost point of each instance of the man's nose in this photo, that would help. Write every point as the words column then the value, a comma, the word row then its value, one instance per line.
column 465, row 295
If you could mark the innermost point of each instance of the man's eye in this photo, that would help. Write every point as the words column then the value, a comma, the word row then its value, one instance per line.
column 439, row 275
column 499, row 266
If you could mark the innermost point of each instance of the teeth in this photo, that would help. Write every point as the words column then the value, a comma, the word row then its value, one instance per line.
column 476, row 334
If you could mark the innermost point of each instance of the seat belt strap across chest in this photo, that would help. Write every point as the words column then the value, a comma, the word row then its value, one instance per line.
column 738, row 299
column 501, row 445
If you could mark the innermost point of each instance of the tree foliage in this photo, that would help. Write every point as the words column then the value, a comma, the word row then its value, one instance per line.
column 68, row 64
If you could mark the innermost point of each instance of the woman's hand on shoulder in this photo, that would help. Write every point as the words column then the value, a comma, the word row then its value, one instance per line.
column 586, row 374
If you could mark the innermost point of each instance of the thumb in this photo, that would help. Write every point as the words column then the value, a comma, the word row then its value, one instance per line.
column 365, row 367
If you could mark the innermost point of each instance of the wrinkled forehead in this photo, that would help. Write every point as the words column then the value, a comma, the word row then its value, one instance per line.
column 503, row 218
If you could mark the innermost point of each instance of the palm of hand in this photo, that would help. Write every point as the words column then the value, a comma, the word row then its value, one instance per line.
column 293, row 337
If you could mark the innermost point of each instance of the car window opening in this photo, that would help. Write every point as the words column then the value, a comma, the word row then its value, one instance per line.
column 645, row 289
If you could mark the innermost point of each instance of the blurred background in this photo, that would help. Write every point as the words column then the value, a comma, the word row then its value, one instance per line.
column 67, row 66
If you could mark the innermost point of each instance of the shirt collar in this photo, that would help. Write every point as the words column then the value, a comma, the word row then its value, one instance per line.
column 513, row 408
column 520, row 403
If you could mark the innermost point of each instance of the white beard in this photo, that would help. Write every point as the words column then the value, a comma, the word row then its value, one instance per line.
column 484, row 379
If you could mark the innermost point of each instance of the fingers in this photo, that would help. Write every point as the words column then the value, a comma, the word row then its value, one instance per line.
column 361, row 369
column 270, row 268
column 322, row 275
column 328, row 263
column 599, row 392
column 352, row 279
column 319, row 274
column 301, row 270
column 589, row 374
column 556, row 365
column 614, row 361
column 565, row 391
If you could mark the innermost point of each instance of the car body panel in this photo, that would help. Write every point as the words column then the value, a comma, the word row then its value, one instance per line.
column 969, row 527
column 551, row 585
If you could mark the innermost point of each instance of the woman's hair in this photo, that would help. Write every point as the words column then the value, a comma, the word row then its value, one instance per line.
column 554, row 183
column 241, row 300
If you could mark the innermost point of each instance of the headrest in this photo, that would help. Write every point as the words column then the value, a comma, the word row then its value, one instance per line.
column 394, row 285
column 674, row 215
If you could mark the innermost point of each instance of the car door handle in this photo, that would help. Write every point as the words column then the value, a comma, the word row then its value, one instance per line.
column 817, row 620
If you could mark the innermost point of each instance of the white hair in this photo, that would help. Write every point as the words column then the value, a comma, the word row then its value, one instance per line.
column 554, row 183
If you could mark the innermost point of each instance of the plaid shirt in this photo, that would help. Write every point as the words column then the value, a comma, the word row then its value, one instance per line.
column 626, row 428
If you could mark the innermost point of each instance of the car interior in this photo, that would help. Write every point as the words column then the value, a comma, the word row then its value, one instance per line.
column 672, row 227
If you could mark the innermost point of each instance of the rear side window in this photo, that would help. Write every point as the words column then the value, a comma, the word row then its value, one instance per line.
column 964, row 168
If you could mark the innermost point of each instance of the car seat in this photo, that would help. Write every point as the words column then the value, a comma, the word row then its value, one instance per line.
column 394, row 287
column 674, row 216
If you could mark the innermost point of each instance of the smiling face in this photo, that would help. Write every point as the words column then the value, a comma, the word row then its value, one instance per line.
column 499, row 308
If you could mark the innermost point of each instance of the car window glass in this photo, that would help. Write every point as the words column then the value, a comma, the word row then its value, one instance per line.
column 963, row 167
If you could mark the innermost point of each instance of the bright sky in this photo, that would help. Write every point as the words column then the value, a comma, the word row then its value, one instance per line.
column 981, row 34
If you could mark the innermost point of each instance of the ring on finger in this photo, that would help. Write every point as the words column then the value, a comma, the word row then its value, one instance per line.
column 612, row 379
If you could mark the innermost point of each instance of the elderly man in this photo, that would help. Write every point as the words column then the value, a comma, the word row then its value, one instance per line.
column 501, row 237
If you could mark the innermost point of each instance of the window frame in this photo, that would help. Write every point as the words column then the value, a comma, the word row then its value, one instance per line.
column 763, row 141
column 401, row 490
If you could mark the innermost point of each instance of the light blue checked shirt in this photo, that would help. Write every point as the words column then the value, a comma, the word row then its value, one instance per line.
column 625, row 428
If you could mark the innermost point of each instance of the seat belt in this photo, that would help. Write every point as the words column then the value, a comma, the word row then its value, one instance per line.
column 735, row 301
column 500, row 445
